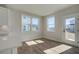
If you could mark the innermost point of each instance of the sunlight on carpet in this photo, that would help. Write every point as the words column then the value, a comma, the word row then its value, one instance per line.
column 39, row 41
column 58, row 49
column 31, row 43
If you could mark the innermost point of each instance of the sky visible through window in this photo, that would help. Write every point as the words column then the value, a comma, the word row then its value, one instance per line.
column 51, row 22
column 70, row 24
column 35, row 21
column 70, row 21
column 30, row 23
column 26, row 20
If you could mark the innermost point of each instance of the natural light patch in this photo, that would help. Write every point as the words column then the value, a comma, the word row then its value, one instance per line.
column 50, row 51
column 57, row 49
column 39, row 41
column 71, row 39
column 31, row 43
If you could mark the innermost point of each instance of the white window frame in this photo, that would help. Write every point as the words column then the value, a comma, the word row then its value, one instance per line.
column 30, row 23
column 47, row 18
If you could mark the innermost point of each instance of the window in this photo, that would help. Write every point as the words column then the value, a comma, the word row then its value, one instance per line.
column 30, row 23
column 70, row 24
column 26, row 23
column 51, row 24
column 70, row 29
column 35, row 24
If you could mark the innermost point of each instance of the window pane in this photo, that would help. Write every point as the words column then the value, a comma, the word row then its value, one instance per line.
column 34, row 27
column 26, row 20
column 51, row 23
column 26, row 28
column 70, row 24
column 51, row 27
column 35, row 24
column 51, row 20
column 26, row 23
column 35, row 21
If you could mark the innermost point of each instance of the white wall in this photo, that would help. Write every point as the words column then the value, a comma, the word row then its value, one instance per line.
column 57, row 35
column 15, row 36
column 9, row 51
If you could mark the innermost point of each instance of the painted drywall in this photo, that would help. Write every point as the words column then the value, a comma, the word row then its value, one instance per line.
column 12, row 39
column 58, row 34
column 9, row 51
column 12, row 19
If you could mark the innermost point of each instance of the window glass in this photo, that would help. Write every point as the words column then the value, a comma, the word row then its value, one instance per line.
column 26, row 23
column 51, row 23
column 70, row 24
column 35, row 24
column 30, row 23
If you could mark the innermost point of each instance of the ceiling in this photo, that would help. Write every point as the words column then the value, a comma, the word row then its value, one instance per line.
column 39, row 9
